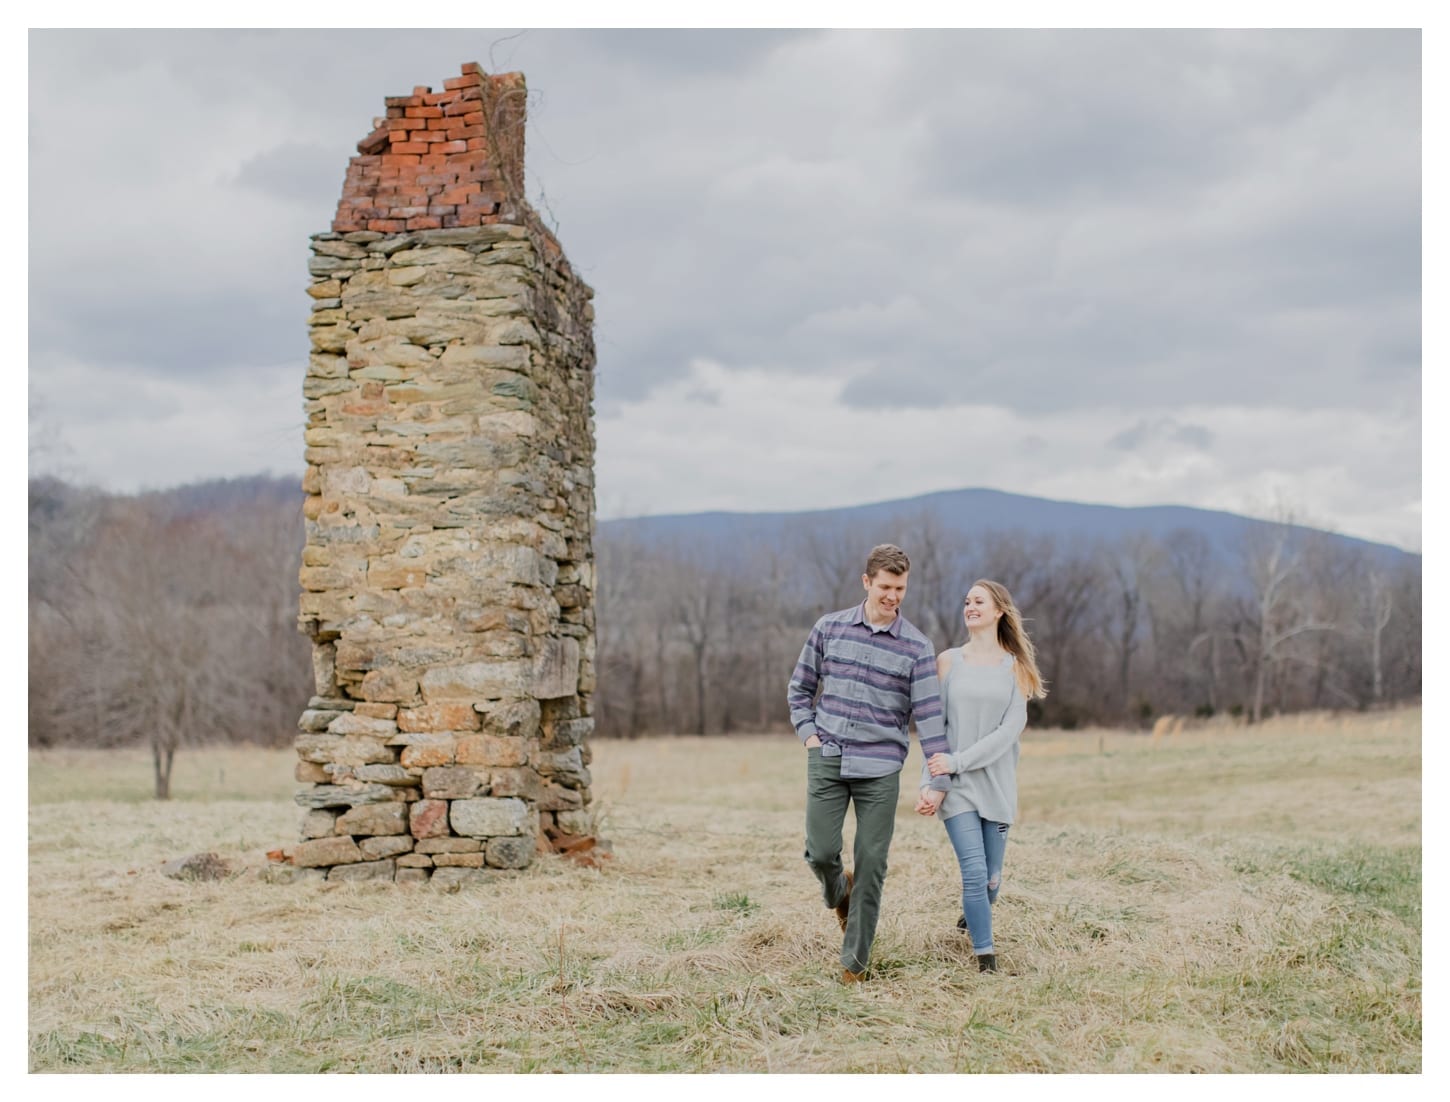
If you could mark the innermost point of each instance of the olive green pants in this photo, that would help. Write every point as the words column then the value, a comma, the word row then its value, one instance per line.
column 827, row 797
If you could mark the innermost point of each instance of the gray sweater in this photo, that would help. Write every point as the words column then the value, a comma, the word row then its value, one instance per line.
column 985, row 716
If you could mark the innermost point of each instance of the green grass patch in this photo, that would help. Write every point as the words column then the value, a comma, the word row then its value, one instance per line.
column 1369, row 875
column 738, row 902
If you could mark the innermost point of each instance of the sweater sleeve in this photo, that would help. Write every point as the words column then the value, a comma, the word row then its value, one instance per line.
column 927, row 710
column 926, row 778
column 995, row 743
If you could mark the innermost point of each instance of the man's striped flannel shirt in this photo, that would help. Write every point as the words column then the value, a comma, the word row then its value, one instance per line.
column 871, row 684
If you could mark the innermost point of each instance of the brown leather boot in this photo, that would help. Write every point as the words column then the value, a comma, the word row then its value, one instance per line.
column 848, row 976
column 843, row 908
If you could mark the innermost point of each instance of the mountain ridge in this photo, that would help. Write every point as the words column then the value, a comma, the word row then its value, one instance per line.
column 979, row 509
column 962, row 512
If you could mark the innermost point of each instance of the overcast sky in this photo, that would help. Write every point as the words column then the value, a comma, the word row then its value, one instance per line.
column 1128, row 267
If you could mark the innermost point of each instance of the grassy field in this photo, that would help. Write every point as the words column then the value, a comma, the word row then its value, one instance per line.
column 1244, row 901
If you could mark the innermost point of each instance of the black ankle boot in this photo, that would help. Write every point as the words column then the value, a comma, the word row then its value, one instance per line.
column 962, row 923
column 987, row 962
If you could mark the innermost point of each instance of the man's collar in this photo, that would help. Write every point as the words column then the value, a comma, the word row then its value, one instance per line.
column 893, row 629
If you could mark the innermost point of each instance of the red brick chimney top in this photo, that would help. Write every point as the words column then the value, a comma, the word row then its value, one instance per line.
column 441, row 159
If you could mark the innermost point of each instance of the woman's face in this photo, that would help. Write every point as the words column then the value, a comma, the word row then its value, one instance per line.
column 980, row 612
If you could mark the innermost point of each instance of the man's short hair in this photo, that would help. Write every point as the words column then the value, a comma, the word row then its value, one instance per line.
column 887, row 556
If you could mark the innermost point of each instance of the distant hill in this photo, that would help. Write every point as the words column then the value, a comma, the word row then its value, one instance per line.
column 960, row 513
column 965, row 513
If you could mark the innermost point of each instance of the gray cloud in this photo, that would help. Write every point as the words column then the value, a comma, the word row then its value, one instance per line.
column 1194, row 436
column 1132, row 438
column 293, row 170
column 1158, row 430
column 150, row 330
column 724, row 53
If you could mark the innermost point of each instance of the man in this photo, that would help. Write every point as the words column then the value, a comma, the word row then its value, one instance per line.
column 875, row 672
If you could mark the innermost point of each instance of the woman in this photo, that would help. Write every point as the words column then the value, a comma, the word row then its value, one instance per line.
column 986, row 684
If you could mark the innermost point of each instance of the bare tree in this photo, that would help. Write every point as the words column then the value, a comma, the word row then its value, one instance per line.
column 161, row 678
column 834, row 557
column 1055, row 587
column 622, row 598
column 1279, row 611
column 269, row 656
column 939, row 565
column 1333, row 577
column 1403, row 657
column 695, row 593
column 1129, row 569
column 1186, row 643
column 1379, row 601
column 772, row 623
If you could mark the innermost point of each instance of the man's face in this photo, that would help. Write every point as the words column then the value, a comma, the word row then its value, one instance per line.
column 884, row 593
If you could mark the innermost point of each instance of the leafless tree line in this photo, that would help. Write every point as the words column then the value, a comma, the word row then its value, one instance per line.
column 697, row 640
column 161, row 625
column 161, row 620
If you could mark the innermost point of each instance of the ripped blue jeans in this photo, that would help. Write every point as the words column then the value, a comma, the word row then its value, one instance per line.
column 979, row 844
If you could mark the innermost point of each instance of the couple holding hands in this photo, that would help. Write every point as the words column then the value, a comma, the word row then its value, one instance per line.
column 863, row 674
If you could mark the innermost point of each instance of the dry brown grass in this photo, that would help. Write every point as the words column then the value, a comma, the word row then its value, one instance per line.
column 1221, row 900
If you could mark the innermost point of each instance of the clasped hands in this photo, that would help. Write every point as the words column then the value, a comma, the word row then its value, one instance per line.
column 929, row 799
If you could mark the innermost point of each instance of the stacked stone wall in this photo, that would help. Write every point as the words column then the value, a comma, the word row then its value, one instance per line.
column 448, row 570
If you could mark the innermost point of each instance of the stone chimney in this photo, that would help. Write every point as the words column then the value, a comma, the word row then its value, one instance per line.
column 448, row 571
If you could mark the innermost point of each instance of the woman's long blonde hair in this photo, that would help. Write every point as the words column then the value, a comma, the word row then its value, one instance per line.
column 1014, row 638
